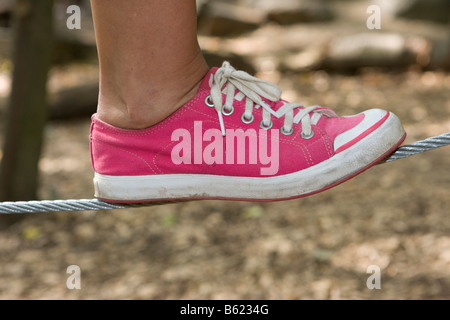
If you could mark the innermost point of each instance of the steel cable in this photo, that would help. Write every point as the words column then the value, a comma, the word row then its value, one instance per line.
column 20, row 207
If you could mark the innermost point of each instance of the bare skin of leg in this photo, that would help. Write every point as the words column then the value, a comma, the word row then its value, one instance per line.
column 149, row 57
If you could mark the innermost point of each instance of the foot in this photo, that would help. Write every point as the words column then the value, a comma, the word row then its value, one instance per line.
column 238, row 140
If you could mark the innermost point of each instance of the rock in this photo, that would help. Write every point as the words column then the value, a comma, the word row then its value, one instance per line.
column 227, row 19
column 76, row 101
column 429, row 10
column 310, row 58
column 440, row 55
column 375, row 50
column 215, row 59
column 294, row 11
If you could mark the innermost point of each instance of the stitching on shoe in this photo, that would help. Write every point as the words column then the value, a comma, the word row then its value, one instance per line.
column 293, row 141
column 131, row 153
column 326, row 140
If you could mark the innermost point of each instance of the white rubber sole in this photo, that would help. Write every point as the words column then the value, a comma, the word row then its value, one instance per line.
column 176, row 187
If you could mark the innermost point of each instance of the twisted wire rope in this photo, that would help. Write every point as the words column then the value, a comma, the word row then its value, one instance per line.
column 20, row 207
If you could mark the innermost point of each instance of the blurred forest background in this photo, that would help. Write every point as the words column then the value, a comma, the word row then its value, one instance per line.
column 394, row 216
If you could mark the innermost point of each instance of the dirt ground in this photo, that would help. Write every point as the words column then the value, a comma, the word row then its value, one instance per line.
column 394, row 216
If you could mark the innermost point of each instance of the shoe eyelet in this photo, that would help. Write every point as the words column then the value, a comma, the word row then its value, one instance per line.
column 304, row 136
column 286, row 133
column 228, row 113
column 261, row 124
column 209, row 102
column 247, row 121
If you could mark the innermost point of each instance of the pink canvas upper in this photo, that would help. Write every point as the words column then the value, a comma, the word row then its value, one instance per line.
column 163, row 148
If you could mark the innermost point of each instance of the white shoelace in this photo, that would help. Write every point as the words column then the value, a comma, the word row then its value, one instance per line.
column 254, row 89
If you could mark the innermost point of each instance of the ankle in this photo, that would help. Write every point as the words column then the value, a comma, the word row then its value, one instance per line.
column 141, row 113
column 138, row 103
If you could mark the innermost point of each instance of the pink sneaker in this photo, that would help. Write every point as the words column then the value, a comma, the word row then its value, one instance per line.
column 237, row 140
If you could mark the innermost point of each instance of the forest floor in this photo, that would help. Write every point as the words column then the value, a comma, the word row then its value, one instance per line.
column 394, row 216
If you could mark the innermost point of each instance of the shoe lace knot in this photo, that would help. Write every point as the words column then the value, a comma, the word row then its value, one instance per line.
column 227, row 80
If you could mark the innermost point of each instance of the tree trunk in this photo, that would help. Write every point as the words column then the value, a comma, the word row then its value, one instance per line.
column 27, row 110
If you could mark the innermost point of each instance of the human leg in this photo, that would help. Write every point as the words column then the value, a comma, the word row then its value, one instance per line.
column 149, row 57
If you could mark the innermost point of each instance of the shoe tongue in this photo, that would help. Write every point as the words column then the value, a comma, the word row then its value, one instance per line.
column 208, row 79
column 277, row 104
